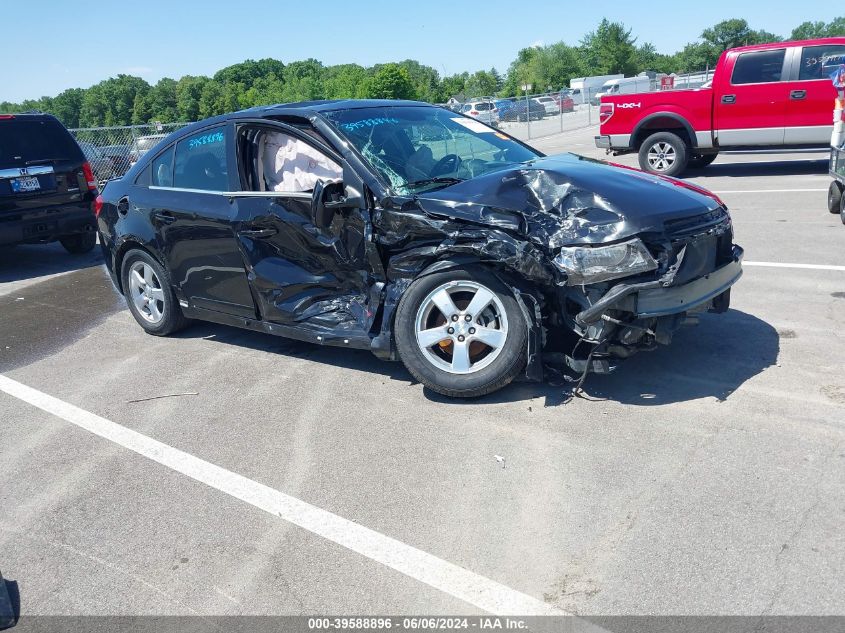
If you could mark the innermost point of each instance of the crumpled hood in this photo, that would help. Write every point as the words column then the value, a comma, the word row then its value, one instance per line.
column 569, row 199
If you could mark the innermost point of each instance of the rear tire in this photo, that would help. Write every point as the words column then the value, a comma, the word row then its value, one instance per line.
column 461, row 364
column 79, row 244
column 842, row 209
column 664, row 153
column 700, row 162
column 834, row 197
column 149, row 294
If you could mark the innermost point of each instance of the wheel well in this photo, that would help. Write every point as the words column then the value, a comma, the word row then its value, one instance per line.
column 124, row 248
column 661, row 124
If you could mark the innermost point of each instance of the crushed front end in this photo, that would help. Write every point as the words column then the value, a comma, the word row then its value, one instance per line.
column 633, row 295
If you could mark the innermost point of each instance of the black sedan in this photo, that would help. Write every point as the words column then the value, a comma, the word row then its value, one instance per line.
column 416, row 233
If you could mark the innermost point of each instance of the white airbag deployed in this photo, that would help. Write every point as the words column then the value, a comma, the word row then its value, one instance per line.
column 291, row 165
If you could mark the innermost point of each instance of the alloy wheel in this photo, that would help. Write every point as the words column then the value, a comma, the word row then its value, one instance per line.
column 661, row 156
column 146, row 292
column 461, row 327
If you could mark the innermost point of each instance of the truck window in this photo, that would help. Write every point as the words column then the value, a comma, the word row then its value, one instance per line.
column 759, row 67
column 817, row 62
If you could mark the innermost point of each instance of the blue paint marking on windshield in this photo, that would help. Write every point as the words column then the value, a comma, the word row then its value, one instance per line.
column 205, row 139
column 365, row 123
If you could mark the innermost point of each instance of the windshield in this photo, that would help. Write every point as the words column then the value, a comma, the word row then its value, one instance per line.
column 420, row 148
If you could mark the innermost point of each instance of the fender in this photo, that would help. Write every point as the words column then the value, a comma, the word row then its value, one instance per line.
column 666, row 115
column 122, row 246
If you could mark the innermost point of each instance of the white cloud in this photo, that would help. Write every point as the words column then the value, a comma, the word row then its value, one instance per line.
column 538, row 44
column 138, row 70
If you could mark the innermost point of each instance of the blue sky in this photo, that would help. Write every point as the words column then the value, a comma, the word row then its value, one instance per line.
column 50, row 45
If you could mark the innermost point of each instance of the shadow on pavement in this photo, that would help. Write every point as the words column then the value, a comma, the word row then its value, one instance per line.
column 711, row 360
column 27, row 261
column 810, row 166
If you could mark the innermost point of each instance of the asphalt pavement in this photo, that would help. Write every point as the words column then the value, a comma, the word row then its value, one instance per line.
column 279, row 477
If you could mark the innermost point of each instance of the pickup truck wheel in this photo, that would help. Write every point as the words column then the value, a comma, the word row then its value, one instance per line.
column 834, row 197
column 664, row 153
column 700, row 162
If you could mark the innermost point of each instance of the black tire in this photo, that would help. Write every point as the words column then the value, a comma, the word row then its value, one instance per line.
column 700, row 162
column 79, row 244
column 842, row 209
column 679, row 148
column 172, row 318
column 499, row 372
column 834, row 197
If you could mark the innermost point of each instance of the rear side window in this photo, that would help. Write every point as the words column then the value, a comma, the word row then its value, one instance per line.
column 25, row 140
column 201, row 161
column 481, row 107
column 818, row 62
column 759, row 67
column 162, row 165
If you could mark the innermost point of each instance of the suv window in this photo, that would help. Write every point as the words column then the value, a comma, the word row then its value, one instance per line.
column 201, row 161
column 162, row 175
column 817, row 62
column 481, row 107
column 23, row 140
column 759, row 67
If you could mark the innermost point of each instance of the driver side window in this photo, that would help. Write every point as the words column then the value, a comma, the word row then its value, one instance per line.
column 285, row 163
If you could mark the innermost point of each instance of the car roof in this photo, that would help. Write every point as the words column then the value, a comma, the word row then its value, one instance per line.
column 768, row 45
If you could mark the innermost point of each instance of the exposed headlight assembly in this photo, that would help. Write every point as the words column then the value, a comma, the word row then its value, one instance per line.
column 592, row 264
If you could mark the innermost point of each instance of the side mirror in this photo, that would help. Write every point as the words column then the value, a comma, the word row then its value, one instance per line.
column 329, row 196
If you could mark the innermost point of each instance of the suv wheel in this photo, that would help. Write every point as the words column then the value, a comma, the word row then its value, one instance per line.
column 842, row 209
column 461, row 333
column 664, row 153
column 149, row 293
column 79, row 244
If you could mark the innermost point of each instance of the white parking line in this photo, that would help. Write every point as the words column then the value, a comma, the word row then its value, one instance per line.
column 458, row 582
column 804, row 266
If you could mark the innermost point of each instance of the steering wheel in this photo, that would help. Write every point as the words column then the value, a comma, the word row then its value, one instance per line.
column 448, row 164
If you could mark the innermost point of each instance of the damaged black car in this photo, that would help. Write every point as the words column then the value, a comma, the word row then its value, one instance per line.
column 416, row 233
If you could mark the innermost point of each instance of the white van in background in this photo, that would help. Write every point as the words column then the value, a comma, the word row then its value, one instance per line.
column 625, row 86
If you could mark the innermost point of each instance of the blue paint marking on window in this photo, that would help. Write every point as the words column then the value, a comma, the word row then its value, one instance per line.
column 205, row 139
column 365, row 123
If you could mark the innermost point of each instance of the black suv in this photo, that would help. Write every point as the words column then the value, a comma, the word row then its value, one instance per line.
column 47, row 189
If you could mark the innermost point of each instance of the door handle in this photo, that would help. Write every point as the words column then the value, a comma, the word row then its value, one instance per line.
column 728, row 98
column 259, row 233
column 797, row 94
column 165, row 217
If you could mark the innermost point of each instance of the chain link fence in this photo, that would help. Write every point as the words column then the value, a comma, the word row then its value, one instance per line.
column 111, row 151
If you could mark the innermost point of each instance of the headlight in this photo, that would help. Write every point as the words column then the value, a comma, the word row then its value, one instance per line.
column 592, row 264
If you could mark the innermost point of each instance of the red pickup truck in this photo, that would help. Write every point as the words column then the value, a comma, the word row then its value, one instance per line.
column 774, row 95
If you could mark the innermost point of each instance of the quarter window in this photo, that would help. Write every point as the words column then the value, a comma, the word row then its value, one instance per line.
column 201, row 161
column 759, row 67
column 162, row 175
column 817, row 62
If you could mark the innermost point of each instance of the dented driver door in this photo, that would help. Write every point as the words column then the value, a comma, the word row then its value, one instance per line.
column 303, row 272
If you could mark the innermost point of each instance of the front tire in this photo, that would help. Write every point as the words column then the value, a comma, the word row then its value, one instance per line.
column 842, row 209
column 80, row 243
column 149, row 294
column 664, row 153
column 461, row 333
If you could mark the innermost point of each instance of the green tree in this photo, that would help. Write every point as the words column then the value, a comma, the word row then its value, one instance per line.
column 610, row 49
column 426, row 80
column 188, row 93
column 111, row 102
column 345, row 81
column 480, row 84
column 391, row 81
column 66, row 106
column 814, row 30
column 159, row 104
column 249, row 70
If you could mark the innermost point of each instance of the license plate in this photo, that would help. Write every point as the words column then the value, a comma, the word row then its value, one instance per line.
column 23, row 185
